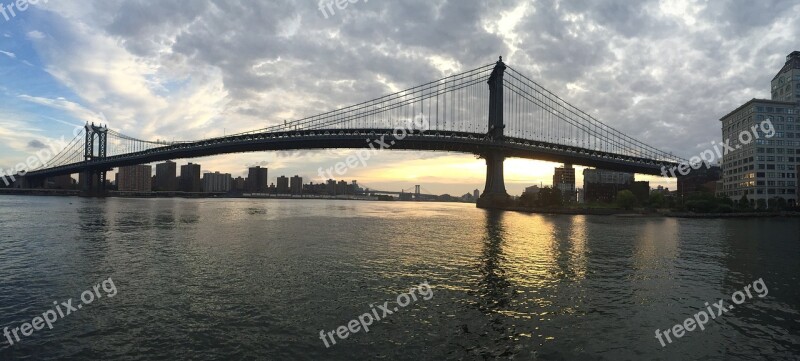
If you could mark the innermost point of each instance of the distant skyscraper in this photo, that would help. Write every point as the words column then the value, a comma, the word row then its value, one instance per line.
column 190, row 178
column 283, row 185
column 476, row 193
column 257, row 180
column 135, row 178
column 166, row 177
column 216, row 182
column 297, row 185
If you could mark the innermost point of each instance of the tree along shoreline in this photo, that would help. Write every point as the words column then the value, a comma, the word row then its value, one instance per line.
column 694, row 205
column 643, row 212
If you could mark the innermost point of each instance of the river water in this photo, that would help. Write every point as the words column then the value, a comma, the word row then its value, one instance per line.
column 214, row 279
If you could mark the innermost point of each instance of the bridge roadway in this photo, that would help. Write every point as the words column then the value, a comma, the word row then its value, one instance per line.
column 463, row 142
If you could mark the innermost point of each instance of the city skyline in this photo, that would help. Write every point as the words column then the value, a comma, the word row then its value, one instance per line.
column 282, row 183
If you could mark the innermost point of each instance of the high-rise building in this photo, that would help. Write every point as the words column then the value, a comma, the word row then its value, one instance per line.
column 135, row 178
column 342, row 188
column 216, row 182
column 564, row 180
column 282, row 185
column 476, row 193
column 238, row 184
column 762, row 168
column 786, row 84
column 602, row 185
column 318, row 189
column 190, row 178
column 166, row 177
column 765, row 141
column 257, row 180
column 297, row 185
column 330, row 186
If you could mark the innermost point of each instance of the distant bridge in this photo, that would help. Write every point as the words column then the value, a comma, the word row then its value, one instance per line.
column 414, row 192
column 511, row 117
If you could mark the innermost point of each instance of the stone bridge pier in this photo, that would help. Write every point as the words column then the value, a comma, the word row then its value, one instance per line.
column 494, row 193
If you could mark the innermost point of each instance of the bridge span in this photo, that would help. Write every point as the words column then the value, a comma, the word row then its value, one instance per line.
column 511, row 117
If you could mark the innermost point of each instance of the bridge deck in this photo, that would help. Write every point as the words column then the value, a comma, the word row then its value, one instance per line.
column 463, row 142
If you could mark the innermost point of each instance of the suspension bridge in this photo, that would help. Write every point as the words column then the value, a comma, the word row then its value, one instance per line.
column 511, row 117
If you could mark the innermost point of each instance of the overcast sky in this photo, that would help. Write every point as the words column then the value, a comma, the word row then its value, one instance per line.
column 663, row 72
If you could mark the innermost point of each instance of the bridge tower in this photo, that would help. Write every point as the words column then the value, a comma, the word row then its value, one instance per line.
column 93, row 179
column 494, row 193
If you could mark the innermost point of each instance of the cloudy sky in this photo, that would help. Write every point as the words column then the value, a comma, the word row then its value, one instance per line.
column 661, row 71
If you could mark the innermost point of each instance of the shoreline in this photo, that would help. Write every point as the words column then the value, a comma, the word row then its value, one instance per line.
column 621, row 213
column 201, row 195
column 644, row 213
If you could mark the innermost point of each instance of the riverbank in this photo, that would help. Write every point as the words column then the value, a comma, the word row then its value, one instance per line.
column 647, row 213
column 220, row 195
column 39, row 192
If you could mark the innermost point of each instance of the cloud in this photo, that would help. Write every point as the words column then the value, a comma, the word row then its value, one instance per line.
column 74, row 109
column 19, row 138
column 36, row 145
column 8, row 54
column 35, row 35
